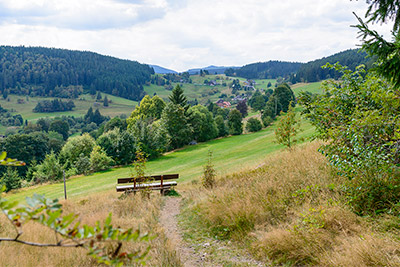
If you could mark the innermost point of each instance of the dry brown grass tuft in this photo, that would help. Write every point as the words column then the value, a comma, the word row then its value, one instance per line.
column 368, row 250
column 133, row 211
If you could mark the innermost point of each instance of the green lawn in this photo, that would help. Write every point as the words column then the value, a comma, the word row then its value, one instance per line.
column 118, row 106
column 230, row 155
column 309, row 87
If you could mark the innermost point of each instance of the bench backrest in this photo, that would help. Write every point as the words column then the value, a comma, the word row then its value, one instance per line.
column 146, row 178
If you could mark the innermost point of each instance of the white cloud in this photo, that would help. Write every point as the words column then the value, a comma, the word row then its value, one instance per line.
column 182, row 34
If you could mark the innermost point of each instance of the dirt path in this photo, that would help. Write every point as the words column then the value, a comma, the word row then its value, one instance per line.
column 169, row 221
column 188, row 256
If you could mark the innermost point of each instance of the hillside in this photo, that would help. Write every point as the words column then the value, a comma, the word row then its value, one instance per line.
column 265, row 70
column 312, row 71
column 39, row 71
column 211, row 70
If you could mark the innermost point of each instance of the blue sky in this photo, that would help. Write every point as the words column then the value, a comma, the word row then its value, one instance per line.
column 183, row 34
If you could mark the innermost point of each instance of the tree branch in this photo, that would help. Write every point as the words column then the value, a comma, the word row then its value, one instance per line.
column 58, row 244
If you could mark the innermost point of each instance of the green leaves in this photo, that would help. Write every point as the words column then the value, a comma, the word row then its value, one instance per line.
column 9, row 162
column 359, row 118
column 287, row 128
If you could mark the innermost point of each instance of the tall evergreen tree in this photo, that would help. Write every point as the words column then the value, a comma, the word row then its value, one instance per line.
column 89, row 115
column 98, row 97
column 105, row 101
column 178, row 98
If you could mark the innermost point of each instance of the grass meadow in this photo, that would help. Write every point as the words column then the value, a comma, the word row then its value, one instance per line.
column 118, row 106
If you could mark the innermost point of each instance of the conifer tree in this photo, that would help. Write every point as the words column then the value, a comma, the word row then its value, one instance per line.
column 178, row 98
column 105, row 102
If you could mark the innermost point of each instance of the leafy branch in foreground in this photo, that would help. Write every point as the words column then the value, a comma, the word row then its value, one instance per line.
column 9, row 162
column 103, row 241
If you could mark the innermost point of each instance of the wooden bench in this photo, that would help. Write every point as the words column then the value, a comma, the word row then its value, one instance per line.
column 154, row 182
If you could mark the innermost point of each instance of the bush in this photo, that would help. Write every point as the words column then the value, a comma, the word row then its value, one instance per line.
column 82, row 164
column 358, row 115
column 49, row 170
column 209, row 173
column 99, row 160
column 253, row 125
column 11, row 179
column 374, row 195
column 266, row 120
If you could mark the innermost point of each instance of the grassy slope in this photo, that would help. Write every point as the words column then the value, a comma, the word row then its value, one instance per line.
column 310, row 87
column 117, row 107
column 230, row 155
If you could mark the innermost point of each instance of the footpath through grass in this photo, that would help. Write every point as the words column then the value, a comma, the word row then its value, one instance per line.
column 230, row 155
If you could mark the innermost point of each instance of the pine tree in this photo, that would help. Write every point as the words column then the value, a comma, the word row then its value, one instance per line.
column 98, row 97
column 105, row 102
column 178, row 98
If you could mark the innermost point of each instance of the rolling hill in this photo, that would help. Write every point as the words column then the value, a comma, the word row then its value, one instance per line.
column 39, row 71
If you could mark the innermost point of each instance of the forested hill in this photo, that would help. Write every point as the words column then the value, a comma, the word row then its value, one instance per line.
column 39, row 70
column 265, row 70
column 312, row 71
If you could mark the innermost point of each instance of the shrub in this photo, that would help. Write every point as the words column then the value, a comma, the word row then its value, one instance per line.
column 358, row 116
column 11, row 179
column 209, row 173
column 253, row 125
column 99, row 160
column 49, row 170
column 266, row 120
column 82, row 164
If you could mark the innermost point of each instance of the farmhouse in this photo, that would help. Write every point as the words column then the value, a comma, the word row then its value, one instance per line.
column 223, row 104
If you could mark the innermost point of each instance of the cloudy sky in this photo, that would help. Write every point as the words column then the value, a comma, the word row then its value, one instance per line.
column 183, row 34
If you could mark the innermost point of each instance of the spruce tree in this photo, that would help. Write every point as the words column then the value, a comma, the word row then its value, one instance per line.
column 98, row 97
column 105, row 102
column 178, row 98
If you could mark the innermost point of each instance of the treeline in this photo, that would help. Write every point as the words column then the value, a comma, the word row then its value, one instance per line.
column 55, row 105
column 265, row 70
column 7, row 119
column 312, row 71
column 154, row 127
column 39, row 71
column 302, row 72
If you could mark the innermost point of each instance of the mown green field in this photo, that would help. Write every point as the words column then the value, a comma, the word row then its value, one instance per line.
column 231, row 154
column 307, row 87
column 118, row 106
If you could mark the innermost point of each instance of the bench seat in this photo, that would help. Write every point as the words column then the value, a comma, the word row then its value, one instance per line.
column 154, row 182
column 153, row 186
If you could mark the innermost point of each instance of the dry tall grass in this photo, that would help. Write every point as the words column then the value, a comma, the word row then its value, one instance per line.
column 131, row 212
column 290, row 212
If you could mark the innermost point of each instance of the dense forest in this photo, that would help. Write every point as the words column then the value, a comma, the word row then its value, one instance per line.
column 302, row 72
column 312, row 71
column 39, row 71
column 265, row 70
